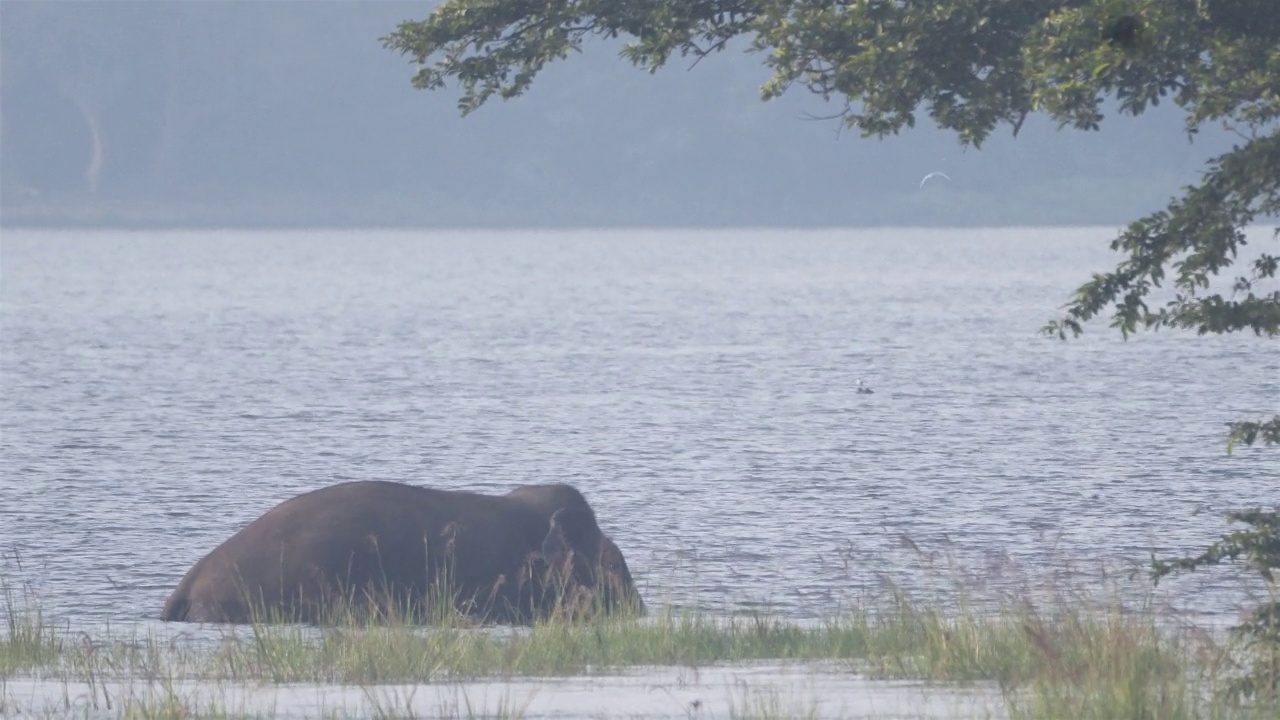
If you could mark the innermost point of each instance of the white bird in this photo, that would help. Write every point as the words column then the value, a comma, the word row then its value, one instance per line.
column 863, row 389
column 934, row 174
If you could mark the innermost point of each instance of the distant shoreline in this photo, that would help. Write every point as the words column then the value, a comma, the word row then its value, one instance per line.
column 15, row 220
column 960, row 211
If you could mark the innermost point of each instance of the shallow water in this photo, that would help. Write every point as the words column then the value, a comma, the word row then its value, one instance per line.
column 160, row 390
column 713, row 692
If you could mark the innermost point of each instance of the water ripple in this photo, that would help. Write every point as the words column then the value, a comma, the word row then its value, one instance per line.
column 161, row 390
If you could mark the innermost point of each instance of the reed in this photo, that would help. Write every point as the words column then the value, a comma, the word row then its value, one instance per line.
column 29, row 640
column 1068, row 657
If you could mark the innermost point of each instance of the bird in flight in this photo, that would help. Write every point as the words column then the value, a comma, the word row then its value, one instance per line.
column 932, row 175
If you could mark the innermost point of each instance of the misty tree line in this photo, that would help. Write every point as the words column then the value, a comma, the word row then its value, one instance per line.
column 256, row 109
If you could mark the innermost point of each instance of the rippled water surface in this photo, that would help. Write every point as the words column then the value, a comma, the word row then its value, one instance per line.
column 161, row 390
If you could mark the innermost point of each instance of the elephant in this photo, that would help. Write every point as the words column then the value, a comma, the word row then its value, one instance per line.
column 381, row 550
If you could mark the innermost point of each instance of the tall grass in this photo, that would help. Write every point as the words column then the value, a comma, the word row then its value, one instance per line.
column 29, row 641
column 1066, row 658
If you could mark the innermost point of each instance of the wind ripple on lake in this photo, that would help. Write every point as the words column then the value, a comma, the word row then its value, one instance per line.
column 163, row 389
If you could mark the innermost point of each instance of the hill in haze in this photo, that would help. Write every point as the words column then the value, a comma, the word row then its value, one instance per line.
column 270, row 114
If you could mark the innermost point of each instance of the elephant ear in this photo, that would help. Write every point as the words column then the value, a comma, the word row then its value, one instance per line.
column 573, row 532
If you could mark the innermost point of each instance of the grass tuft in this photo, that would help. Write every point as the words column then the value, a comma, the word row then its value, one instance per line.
column 1066, row 658
column 29, row 640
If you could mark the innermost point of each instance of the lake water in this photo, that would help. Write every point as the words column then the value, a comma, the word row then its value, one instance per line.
column 749, row 691
column 160, row 390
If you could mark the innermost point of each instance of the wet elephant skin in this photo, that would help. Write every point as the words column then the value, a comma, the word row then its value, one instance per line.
column 384, row 549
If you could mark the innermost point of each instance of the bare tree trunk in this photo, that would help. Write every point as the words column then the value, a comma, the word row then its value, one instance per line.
column 97, row 146
column 97, row 157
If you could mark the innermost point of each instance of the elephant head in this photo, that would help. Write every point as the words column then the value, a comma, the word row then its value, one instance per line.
column 585, row 570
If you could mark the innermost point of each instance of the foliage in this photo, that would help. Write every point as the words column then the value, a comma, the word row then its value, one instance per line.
column 1259, row 548
column 972, row 66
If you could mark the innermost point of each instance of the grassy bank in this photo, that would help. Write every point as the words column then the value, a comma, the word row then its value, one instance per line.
column 1080, row 661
